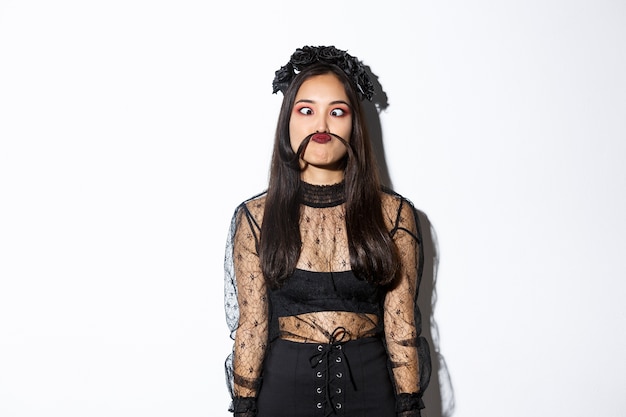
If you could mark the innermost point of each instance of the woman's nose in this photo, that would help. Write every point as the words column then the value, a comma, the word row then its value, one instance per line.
column 322, row 124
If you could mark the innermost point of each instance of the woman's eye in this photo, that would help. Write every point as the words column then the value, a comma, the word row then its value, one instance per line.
column 337, row 112
column 305, row 110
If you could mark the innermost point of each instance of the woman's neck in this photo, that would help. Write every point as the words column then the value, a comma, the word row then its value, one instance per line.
column 321, row 176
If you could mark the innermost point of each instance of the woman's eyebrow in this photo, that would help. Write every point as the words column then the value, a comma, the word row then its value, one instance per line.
column 306, row 100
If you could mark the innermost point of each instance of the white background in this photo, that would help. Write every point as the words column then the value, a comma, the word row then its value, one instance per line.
column 130, row 130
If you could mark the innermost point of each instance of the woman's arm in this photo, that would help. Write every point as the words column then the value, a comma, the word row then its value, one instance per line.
column 401, row 316
column 251, row 333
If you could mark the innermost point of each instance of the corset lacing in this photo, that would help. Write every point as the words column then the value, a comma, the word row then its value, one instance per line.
column 332, row 355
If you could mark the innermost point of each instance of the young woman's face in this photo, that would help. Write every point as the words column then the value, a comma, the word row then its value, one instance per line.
column 321, row 107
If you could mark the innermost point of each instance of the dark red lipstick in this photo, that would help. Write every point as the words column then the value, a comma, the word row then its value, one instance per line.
column 321, row 138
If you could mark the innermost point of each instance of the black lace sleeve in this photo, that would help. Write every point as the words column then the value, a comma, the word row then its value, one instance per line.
column 409, row 352
column 246, row 306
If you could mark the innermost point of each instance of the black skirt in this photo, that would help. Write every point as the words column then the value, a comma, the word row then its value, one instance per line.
column 317, row 380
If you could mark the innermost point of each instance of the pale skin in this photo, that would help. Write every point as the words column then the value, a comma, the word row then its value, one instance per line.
column 321, row 106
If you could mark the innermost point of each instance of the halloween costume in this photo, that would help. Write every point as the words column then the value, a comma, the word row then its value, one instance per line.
column 326, row 342
column 325, row 337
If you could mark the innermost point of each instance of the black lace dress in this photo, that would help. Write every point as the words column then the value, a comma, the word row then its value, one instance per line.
column 326, row 342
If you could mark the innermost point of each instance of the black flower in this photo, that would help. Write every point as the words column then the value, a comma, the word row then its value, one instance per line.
column 329, row 54
column 308, row 55
column 303, row 57
column 283, row 78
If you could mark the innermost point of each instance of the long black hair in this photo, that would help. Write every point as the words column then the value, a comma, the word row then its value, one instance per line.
column 373, row 254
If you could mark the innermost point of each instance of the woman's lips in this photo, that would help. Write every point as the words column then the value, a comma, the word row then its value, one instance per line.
column 321, row 137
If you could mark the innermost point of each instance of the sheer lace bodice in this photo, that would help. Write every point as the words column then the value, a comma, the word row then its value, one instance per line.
column 323, row 300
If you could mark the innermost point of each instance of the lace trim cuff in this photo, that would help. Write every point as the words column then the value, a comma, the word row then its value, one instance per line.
column 243, row 407
column 407, row 404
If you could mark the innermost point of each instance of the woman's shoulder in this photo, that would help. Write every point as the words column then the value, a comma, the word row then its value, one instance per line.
column 252, row 206
column 393, row 199
column 255, row 200
column 397, row 209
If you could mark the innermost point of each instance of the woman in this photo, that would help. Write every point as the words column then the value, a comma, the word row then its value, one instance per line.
column 322, row 269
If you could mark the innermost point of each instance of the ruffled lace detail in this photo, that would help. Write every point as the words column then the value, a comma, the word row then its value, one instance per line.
column 320, row 196
column 243, row 407
column 409, row 405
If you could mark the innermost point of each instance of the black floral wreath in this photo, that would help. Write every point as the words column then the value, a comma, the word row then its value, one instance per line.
column 309, row 55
